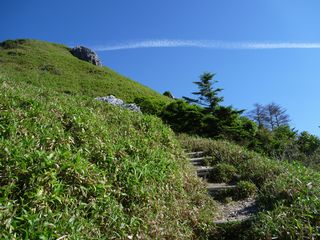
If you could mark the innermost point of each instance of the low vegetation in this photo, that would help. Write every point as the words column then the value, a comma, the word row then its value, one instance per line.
column 245, row 189
column 223, row 172
column 288, row 193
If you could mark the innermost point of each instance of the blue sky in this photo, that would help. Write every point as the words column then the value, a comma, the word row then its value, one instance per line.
column 288, row 76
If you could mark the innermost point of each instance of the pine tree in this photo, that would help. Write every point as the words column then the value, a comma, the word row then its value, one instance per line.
column 208, row 96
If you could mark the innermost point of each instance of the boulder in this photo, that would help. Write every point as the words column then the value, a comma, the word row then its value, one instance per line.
column 86, row 54
column 118, row 102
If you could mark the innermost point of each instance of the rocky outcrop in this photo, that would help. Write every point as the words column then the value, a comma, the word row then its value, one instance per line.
column 118, row 102
column 86, row 54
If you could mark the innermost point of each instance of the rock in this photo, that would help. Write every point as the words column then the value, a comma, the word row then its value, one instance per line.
column 132, row 107
column 86, row 54
column 118, row 102
column 168, row 94
column 111, row 99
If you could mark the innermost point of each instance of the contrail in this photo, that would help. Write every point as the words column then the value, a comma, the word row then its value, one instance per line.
column 167, row 43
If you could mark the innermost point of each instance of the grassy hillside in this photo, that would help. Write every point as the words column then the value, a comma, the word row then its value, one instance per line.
column 72, row 166
column 52, row 66
column 75, row 168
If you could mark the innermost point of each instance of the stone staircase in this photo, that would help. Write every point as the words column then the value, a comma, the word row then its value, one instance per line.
column 228, row 212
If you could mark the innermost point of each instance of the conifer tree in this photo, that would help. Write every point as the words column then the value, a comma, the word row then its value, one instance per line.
column 208, row 96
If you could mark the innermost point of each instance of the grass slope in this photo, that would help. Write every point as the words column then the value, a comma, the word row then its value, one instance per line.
column 52, row 66
column 73, row 167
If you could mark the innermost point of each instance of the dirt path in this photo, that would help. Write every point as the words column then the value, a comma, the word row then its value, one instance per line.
column 237, row 211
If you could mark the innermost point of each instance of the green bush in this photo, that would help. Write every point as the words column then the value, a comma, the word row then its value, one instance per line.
column 194, row 143
column 223, row 172
column 150, row 106
column 183, row 117
column 245, row 189
column 11, row 44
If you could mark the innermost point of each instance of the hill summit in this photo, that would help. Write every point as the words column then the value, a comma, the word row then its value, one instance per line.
column 53, row 66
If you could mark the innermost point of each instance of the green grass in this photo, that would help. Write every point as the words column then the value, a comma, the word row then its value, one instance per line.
column 72, row 166
column 77, row 168
column 52, row 66
column 288, row 193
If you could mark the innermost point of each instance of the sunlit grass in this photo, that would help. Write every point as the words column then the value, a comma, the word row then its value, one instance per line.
column 72, row 166
column 52, row 66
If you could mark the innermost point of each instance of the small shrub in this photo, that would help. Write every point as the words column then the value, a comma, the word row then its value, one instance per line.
column 149, row 106
column 245, row 189
column 224, row 172
column 50, row 69
column 10, row 44
column 194, row 143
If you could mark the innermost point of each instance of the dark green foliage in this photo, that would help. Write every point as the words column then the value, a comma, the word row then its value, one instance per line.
column 308, row 143
column 150, row 106
column 230, row 125
column 217, row 121
column 278, row 143
column 183, row 117
column 224, row 123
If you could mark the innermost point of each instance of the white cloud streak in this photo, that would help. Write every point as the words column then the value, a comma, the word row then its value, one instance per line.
column 167, row 43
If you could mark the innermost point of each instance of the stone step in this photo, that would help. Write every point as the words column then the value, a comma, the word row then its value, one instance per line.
column 219, row 191
column 204, row 171
column 195, row 154
column 232, row 220
column 219, row 186
column 197, row 161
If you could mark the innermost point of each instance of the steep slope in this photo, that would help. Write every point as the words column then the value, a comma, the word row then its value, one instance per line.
column 52, row 66
column 75, row 168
